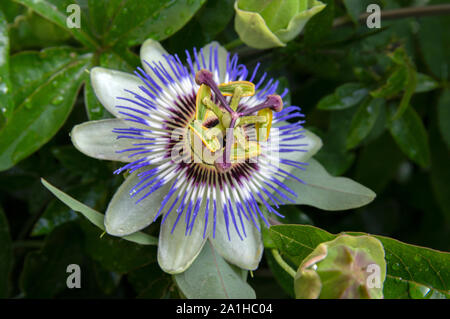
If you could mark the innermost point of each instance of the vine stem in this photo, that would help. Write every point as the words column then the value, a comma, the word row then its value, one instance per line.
column 282, row 263
column 233, row 44
column 438, row 9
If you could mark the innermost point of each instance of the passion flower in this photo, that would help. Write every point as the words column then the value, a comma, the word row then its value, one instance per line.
column 205, row 144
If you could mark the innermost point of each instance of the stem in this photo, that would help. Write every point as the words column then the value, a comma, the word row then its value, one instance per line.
column 398, row 14
column 233, row 44
column 282, row 263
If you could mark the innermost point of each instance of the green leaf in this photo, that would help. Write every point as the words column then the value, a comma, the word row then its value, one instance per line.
column 345, row 96
column 412, row 138
column 298, row 241
column 114, row 60
column 320, row 25
column 207, row 23
column 414, row 265
column 79, row 164
column 213, row 17
column 11, row 10
column 372, row 168
column 210, row 276
column 425, row 83
column 267, row 240
column 56, row 213
column 121, row 23
column 157, row 19
column 150, row 282
column 443, row 107
column 440, row 172
column 31, row 31
column 6, row 255
column 435, row 47
column 116, row 254
column 409, row 91
column 326, row 192
column 334, row 154
column 403, row 78
column 293, row 215
column 56, row 11
column 107, row 281
column 406, row 264
column 44, row 272
column 378, row 128
column 355, row 8
column 363, row 121
column 42, row 113
column 6, row 102
column 394, row 84
column 284, row 279
column 30, row 69
column 95, row 217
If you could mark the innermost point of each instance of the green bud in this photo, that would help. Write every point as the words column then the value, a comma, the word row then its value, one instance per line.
column 350, row 267
column 265, row 24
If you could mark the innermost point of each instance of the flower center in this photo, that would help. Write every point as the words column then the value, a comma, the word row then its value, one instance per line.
column 221, row 128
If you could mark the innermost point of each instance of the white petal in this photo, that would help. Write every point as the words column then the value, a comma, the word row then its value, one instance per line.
column 96, row 139
column 177, row 251
column 222, row 58
column 124, row 216
column 153, row 52
column 110, row 84
column 245, row 253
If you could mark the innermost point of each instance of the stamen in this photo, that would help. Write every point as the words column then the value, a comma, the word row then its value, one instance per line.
column 273, row 102
column 212, row 106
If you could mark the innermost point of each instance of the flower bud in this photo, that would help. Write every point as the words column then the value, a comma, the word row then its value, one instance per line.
column 265, row 24
column 350, row 267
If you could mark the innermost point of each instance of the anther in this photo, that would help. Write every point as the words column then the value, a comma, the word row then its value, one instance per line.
column 273, row 102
